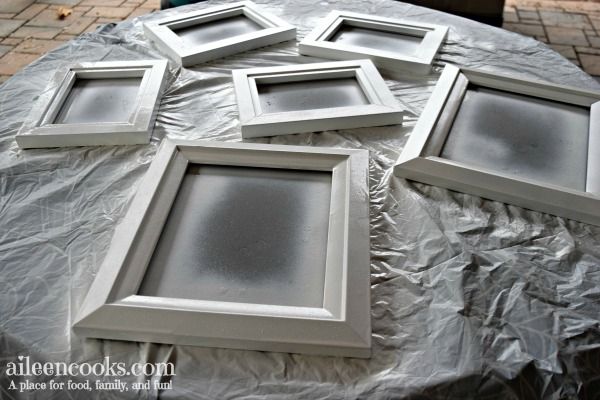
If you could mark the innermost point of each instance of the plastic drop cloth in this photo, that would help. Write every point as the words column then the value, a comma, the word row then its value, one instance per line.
column 470, row 298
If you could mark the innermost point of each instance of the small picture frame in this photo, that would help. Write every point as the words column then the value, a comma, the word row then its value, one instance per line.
column 523, row 142
column 96, row 103
column 204, row 35
column 313, row 97
column 394, row 45
column 274, row 256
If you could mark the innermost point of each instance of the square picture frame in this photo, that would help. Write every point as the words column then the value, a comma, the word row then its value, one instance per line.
column 380, row 108
column 41, row 129
column 341, row 326
column 163, row 33
column 421, row 158
column 419, row 60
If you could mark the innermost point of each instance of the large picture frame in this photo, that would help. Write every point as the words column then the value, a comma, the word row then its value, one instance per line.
column 163, row 33
column 42, row 130
column 114, row 310
column 318, row 42
column 421, row 158
column 381, row 109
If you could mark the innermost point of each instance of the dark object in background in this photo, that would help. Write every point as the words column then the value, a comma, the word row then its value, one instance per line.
column 176, row 3
column 486, row 11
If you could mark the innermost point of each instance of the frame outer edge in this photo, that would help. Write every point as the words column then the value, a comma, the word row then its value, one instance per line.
column 124, row 235
column 253, row 125
column 320, row 48
column 428, row 119
column 494, row 188
column 157, row 72
column 140, row 132
column 532, row 195
column 159, row 43
column 358, row 294
column 96, row 318
column 323, row 24
column 186, row 56
column 593, row 163
column 534, row 87
column 243, row 96
column 41, row 106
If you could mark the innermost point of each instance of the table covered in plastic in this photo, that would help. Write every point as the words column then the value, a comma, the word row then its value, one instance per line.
column 470, row 297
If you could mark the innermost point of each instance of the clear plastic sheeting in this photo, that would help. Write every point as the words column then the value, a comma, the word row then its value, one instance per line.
column 470, row 298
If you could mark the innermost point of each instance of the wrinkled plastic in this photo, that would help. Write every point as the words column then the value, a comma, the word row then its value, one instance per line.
column 470, row 298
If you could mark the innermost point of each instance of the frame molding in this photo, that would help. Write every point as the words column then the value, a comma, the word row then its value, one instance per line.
column 420, row 160
column 382, row 110
column 317, row 43
column 39, row 130
column 274, row 30
column 113, row 310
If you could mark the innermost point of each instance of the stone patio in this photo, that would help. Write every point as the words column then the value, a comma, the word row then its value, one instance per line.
column 572, row 28
column 30, row 28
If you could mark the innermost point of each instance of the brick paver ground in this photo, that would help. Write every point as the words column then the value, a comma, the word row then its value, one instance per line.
column 572, row 28
column 30, row 28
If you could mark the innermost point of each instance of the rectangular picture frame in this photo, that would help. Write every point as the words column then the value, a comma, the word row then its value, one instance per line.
column 275, row 30
column 383, row 108
column 39, row 131
column 317, row 43
column 420, row 159
column 341, row 327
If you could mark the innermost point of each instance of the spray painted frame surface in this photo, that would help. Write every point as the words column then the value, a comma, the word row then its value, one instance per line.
column 383, row 108
column 275, row 30
column 40, row 131
column 421, row 161
column 317, row 43
column 113, row 310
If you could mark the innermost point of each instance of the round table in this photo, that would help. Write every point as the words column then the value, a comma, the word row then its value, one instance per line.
column 470, row 298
